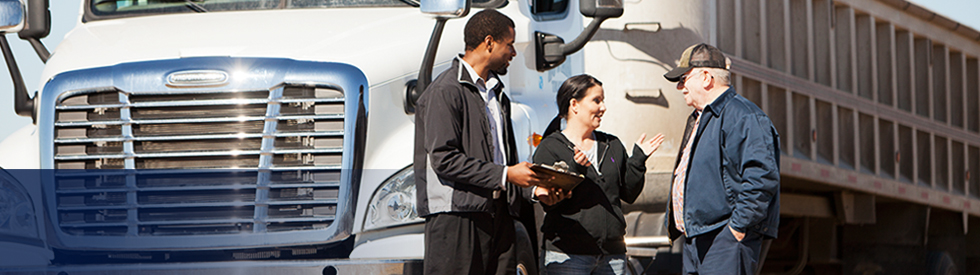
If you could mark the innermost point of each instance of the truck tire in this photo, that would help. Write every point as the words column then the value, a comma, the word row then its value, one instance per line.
column 940, row 263
column 526, row 263
column 633, row 266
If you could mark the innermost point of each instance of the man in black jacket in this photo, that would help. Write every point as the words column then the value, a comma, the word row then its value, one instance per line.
column 463, row 145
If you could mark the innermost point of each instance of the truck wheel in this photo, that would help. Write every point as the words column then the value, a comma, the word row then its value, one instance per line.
column 521, row 270
column 526, row 263
column 940, row 263
column 633, row 266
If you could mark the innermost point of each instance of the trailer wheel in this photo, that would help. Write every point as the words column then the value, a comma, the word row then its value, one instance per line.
column 940, row 263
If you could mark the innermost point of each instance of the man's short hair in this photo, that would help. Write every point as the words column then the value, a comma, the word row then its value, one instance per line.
column 486, row 22
column 723, row 76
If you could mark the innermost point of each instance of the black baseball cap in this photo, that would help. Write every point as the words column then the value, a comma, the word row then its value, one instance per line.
column 699, row 55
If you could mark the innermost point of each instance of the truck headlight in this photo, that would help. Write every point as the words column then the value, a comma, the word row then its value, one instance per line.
column 394, row 202
column 16, row 209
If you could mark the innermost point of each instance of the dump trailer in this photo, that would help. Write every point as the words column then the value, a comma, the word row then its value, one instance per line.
column 876, row 103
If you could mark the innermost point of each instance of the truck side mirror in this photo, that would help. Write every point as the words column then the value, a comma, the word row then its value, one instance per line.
column 550, row 50
column 12, row 20
column 445, row 8
column 11, row 16
column 601, row 8
column 38, row 26
column 38, row 20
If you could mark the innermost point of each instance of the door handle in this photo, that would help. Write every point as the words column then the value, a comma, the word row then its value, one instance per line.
column 647, row 96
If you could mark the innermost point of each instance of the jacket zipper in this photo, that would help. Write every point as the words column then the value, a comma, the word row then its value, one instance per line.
column 605, row 148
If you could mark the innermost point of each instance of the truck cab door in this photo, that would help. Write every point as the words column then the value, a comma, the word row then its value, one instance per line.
column 557, row 17
column 533, row 91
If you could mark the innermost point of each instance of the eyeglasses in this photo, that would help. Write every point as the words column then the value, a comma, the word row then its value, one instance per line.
column 692, row 73
column 686, row 76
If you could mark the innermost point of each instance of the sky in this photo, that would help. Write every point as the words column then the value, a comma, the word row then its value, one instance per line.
column 64, row 17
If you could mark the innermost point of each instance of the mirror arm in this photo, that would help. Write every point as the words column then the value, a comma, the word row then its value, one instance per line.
column 23, row 105
column 551, row 50
column 425, row 72
column 584, row 37
column 42, row 52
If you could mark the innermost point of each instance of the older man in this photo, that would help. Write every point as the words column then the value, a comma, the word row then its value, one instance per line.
column 725, row 190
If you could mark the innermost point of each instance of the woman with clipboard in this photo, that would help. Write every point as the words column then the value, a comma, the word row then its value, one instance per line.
column 583, row 233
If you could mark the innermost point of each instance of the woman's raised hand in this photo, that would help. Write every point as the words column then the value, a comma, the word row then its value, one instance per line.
column 650, row 146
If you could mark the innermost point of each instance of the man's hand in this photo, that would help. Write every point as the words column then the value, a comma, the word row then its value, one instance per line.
column 522, row 175
column 650, row 146
column 551, row 196
column 738, row 235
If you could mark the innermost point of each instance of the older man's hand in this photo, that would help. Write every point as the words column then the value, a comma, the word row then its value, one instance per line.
column 738, row 235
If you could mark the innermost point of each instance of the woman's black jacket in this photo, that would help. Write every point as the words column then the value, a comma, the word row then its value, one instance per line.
column 591, row 221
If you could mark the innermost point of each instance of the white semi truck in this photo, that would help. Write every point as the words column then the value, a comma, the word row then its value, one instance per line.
column 254, row 136
column 275, row 136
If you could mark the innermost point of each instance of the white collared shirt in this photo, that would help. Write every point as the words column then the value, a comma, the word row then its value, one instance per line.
column 493, row 111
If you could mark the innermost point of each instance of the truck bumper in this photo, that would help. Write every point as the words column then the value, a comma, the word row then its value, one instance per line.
column 313, row 267
column 405, row 246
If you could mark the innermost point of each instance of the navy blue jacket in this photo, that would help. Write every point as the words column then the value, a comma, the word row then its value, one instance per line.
column 733, row 174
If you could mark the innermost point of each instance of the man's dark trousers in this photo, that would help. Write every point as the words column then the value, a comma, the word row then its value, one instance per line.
column 470, row 242
column 718, row 252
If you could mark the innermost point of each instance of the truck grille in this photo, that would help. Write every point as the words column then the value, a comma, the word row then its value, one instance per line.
column 198, row 163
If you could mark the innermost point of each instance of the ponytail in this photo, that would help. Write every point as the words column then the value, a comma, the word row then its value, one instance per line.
column 553, row 127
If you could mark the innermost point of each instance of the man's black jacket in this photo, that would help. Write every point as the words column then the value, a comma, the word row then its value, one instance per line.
column 454, row 169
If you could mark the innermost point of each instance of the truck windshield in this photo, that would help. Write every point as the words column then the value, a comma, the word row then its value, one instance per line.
column 107, row 9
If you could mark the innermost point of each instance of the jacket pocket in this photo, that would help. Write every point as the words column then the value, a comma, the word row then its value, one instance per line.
column 727, row 181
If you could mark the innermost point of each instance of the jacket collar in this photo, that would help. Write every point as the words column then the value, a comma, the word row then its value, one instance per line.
column 600, row 137
column 601, row 143
column 716, row 107
column 464, row 77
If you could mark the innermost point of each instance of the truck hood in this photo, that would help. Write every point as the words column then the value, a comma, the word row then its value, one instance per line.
column 383, row 42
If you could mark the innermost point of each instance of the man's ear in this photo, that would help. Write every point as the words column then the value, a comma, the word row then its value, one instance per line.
column 708, row 81
column 489, row 41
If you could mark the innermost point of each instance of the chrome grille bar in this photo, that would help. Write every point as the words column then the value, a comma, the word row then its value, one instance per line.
column 291, row 153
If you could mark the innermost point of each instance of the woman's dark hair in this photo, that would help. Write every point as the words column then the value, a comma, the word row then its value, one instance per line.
column 574, row 87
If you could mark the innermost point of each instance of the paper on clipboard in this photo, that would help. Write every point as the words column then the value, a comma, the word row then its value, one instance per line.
column 564, row 179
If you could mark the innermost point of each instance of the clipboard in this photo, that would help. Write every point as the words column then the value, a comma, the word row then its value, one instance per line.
column 564, row 179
